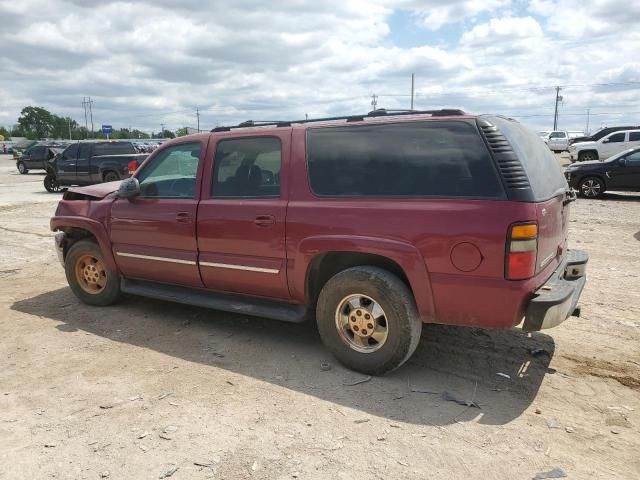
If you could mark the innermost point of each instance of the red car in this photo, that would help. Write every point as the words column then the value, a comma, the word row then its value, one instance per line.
column 372, row 224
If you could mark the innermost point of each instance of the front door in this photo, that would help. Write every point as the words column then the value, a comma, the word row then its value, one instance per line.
column 153, row 235
column 613, row 144
column 626, row 173
column 241, row 219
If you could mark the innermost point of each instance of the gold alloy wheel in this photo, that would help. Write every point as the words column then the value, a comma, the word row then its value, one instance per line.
column 90, row 274
column 361, row 323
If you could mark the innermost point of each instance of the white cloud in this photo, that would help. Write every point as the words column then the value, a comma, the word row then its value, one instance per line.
column 503, row 30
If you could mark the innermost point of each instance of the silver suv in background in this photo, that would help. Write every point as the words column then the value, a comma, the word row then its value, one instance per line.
column 559, row 140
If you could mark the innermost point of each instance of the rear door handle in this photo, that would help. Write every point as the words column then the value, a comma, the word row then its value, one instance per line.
column 264, row 220
column 184, row 217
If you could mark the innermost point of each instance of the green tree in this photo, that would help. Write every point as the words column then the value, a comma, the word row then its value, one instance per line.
column 181, row 132
column 35, row 122
column 5, row 133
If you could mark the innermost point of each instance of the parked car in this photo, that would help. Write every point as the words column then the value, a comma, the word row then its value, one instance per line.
column 620, row 172
column 606, row 147
column 559, row 140
column 37, row 157
column 603, row 132
column 87, row 163
column 374, row 224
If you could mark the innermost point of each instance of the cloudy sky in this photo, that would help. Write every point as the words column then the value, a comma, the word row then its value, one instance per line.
column 146, row 63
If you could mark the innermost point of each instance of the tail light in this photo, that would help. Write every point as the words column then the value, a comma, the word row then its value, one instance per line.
column 522, row 251
column 132, row 166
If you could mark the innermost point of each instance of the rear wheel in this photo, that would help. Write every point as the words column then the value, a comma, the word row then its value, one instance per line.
column 88, row 276
column 591, row 187
column 586, row 156
column 22, row 168
column 111, row 177
column 368, row 319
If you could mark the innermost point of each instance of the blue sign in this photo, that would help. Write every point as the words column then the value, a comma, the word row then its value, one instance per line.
column 107, row 129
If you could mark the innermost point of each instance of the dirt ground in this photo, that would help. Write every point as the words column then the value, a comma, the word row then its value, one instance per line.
column 147, row 387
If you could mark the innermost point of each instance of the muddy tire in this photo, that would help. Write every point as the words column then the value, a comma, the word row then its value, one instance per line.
column 367, row 318
column 88, row 276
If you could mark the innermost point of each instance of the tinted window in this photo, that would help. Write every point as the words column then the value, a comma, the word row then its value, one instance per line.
column 404, row 159
column 542, row 168
column 248, row 167
column 116, row 148
column 71, row 153
column 557, row 135
column 172, row 173
column 634, row 136
column 36, row 153
column 633, row 160
column 617, row 137
column 84, row 151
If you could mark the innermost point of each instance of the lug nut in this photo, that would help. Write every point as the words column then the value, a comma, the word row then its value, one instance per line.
column 364, row 332
column 370, row 325
column 359, row 313
column 355, row 328
column 353, row 319
column 367, row 316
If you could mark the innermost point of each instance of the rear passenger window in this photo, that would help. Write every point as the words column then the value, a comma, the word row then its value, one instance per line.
column 115, row 148
column 414, row 159
column 247, row 168
column 634, row 136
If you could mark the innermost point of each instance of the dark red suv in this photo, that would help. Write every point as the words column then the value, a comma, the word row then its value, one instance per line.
column 372, row 224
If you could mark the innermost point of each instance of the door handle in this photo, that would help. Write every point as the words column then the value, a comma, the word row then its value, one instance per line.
column 184, row 217
column 264, row 220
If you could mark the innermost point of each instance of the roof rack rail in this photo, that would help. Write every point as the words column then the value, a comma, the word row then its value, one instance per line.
column 348, row 118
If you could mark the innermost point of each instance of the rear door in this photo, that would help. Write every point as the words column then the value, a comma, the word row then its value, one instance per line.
column 83, row 162
column 153, row 235
column 626, row 172
column 634, row 139
column 35, row 157
column 66, row 164
column 241, row 219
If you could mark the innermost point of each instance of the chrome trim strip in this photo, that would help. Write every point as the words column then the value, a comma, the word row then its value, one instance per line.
column 159, row 259
column 239, row 267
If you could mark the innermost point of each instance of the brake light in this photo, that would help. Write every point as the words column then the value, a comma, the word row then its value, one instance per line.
column 522, row 251
column 132, row 166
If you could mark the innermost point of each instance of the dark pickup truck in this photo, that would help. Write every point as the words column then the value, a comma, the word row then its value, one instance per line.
column 87, row 163
column 37, row 157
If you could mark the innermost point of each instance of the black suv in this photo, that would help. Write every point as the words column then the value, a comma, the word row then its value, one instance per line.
column 620, row 172
column 36, row 157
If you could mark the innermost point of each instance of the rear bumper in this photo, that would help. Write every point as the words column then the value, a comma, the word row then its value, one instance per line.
column 557, row 299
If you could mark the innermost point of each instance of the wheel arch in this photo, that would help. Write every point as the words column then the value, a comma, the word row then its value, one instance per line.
column 589, row 150
column 325, row 256
column 80, row 229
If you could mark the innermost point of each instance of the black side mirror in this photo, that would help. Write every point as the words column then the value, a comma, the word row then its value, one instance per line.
column 129, row 188
column 622, row 162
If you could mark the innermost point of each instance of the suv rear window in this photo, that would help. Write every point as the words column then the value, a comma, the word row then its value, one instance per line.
column 542, row 168
column 410, row 159
column 116, row 148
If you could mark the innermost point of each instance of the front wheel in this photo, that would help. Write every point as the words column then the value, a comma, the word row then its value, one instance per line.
column 586, row 156
column 591, row 187
column 51, row 184
column 88, row 276
column 367, row 318
column 22, row 168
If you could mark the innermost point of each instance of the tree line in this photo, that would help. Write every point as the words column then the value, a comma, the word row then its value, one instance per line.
column 37, row 123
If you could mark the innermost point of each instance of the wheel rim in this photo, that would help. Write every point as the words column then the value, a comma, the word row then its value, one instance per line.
column 587, row 157
column 591, row 188
column 362, row 323
column 91, row 274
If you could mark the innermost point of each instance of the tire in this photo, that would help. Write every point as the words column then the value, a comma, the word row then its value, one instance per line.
column 51, row 184
column 22, row 168
column 110, row 177
column 346, row 297
column 88, row 276
column 591, row 187
column 587, row 156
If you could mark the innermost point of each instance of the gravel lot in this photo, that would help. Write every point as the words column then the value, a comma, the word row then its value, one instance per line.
column 145, row 387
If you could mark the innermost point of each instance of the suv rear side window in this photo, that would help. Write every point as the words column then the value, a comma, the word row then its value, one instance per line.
column 634, row 136
column 247, row 168
column 411, row 159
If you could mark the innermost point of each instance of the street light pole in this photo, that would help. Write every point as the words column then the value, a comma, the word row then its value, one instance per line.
column 555, row 115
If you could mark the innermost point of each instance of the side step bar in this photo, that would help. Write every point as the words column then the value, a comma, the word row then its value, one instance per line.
column 228, row 303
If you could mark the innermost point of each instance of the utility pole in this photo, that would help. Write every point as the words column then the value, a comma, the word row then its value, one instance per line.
column 84, row 106
column 198, row 115
column 412, row 83
column 374, row 101
column 588, row 113
column 555, row 115
column 91, row 115
column 69, row 121
column 161, row 130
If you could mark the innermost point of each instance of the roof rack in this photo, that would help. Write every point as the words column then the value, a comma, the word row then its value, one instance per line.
column 349, row 118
